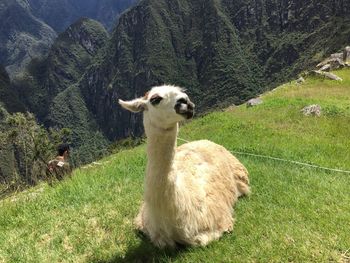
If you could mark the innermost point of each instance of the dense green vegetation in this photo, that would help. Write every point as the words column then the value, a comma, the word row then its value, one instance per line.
column 8, row 95
column 222, row 52
column 25, row 149
column 295, row 213
column 47, row 87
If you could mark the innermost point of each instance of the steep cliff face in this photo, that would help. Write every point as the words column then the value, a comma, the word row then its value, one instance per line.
column 29, row 27
column 69, row 57
column 288, row 36
column 22, row 36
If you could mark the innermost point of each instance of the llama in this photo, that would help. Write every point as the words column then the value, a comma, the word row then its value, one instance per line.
column 190, row 190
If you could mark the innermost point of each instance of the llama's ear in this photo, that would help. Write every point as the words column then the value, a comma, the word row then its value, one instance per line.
column 135, row 105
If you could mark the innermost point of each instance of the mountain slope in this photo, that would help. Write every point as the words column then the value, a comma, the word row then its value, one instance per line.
column 28, row 27
column 184, row 43
column 47, row 88
column 288, row 36
column 294, row 212
column 8, row 94
column 22, row 36
column 72, row 52
column 221, row 52
column 60, row 14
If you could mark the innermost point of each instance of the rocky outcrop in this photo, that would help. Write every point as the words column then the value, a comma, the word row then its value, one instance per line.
column 327, row 75
column 330, row 64
column 335, row 61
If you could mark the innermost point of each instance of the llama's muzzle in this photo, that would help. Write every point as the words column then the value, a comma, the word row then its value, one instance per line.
column 185, row 108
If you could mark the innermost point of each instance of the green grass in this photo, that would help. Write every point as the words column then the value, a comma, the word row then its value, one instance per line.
column 295, row 213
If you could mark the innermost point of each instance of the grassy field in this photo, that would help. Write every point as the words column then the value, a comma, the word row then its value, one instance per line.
column 295, row 213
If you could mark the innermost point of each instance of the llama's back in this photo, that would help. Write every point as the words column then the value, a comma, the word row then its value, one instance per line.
column 210, row 179
column 213, row 165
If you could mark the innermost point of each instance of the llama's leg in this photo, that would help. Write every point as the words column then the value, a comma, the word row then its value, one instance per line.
column 205, row 238
column 243, row 188
column 140, row 221
column 144, row 223
column 162, row 241
column 242, row 182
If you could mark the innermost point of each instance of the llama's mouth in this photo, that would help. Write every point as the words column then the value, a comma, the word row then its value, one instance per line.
column 186, row 110
column 189, row 114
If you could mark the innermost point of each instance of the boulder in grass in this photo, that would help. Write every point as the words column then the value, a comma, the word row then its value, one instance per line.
column 312, row 110
column 254, row 102
column 300, row 80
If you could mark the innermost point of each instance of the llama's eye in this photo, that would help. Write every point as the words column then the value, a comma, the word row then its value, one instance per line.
column 155, row 100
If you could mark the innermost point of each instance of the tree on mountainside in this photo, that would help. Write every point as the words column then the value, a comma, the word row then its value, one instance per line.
column 26, row 148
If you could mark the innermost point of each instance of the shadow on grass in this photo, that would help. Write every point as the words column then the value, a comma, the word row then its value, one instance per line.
column 146, row 252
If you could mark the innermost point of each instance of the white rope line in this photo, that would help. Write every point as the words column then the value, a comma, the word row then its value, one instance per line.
column 284, row 160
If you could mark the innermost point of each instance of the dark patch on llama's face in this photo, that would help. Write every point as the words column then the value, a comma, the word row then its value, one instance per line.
column 155, row 99
column 184, row 107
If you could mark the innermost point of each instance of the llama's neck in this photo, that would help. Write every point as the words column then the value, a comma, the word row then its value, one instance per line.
column 161, row 146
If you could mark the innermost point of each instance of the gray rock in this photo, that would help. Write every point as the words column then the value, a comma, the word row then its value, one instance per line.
column 326, row 75
column 331, row 64
column 254, row 102
column 314, row 110
column 346, row 54
column 326, row 67
column 300, row 80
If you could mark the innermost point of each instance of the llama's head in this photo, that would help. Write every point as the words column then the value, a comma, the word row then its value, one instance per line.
column 163, row 106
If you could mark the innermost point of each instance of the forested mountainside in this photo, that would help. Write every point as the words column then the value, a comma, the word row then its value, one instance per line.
column 47, row 88
column 28, row 27
column 9, row 95
column 286, row 37
column 22, row 35
column 71, row 53
column 222, row 52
